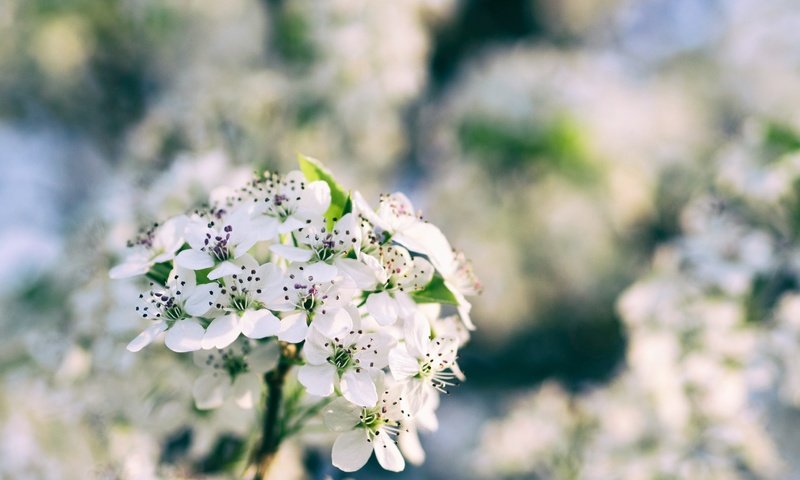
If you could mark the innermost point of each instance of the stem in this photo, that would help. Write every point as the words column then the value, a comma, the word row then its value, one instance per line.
column 271, row 435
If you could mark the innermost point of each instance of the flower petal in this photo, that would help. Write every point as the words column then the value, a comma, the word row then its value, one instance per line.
column 130, row 268
column 333, row 322
column 291, row 224
column 223, row 270
column 351, row 450
column 185, row 336
column 293, row 254
column 264, row 357
column 315, row 350
column 319, row 272
column 387, row 453
column 341, row 415
column 246, row 390
column 318, row 379
column 408, row 440
column 147, row 336
column 209, row 391
column 201, row 299
column 382, row 307
column 169, row 236
column 315, row 200
column 193, row 260
column 293, row 328
column 259, row 323
column 222, row 332
column 361, row 274
column 359, row 388
column 402, row 364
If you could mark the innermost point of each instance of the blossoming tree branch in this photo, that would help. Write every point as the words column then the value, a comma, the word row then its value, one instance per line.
column 296, row 277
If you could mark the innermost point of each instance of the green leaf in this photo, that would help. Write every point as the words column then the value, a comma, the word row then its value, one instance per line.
column 201, row 276
column 314, row 170
column 159, row 273
column 435, row 292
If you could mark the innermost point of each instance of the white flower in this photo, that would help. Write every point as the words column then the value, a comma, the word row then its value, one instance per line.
column 423, row 362
column 235, row 372
column 156, row 245
column 312, row 292
column 174, row 309
column 331, row 247
column 216, row 241
column 395, row 213
column 367, row 429
column 347, row 362
column 283, row 205
column 238, row 305
column 396, row 217
column 397, row 273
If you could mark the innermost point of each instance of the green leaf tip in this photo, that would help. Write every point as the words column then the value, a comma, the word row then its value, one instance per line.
column 435, row 292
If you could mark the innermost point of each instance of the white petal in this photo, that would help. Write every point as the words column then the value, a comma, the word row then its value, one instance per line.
column 402, row 364
column 264, row 357
column 169, row 236
column 410, row 445
column 195, row 233
column 315, row 200
column 347, row 234
column 382, row 307
column 223, row 270
column 259, row 323
column 361, row 207
column 193, row 260
column 333, row 322
column 222, row 332
column 351, row 450
column 291, row 224
column 130, row 268
column 265, row 228
column 185, row 336
column 293, row 254
column 375, row 265
column 464, row 313
column 363, row 276
column 201, row 299
column 147, row 336
column 246, row 390
column 416, row 392
column 209, row 391
column 426, row 238
column 314, row 350
column 319, row 272
column 359, row 388
column 417, row 331
column 182, row 280
column 341, row 415
column 318, row 379
column 293, row 328
column 387, row 453
column 406, row 307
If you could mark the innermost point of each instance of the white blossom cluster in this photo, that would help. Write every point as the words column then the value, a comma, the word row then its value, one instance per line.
column 712, row 350
column 297, row 260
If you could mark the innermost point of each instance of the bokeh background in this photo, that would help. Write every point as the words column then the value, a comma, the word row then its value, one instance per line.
column 623, row 174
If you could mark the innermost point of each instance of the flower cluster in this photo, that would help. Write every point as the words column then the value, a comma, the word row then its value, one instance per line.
column 297, row 261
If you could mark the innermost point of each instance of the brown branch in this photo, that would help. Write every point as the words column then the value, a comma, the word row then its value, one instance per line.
column 271, row 436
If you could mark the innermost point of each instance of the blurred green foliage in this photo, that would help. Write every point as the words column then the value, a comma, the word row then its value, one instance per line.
column 503, row 146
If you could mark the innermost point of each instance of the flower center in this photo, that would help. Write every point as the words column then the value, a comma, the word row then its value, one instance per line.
column 217, row 246
column 342, row 358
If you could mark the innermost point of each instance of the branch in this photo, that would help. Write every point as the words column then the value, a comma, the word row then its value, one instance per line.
column 271, row 435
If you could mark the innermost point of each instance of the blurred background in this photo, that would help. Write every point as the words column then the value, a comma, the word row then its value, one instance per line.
column 623, row 174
